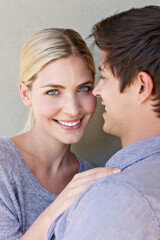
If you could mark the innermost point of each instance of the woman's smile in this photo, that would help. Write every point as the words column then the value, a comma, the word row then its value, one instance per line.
column 70, row 124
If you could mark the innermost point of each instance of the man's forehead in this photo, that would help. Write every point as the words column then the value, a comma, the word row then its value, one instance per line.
column 104, row 54
column 103, row 64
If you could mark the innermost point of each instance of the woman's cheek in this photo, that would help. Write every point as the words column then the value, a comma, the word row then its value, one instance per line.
column 91, row 103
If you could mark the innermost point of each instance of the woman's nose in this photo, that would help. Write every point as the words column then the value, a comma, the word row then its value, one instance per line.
column 72, row 106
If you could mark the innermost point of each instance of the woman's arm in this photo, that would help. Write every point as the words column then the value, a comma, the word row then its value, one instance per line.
column 79, row 183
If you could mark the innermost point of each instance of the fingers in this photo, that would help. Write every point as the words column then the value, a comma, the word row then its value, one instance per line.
column 93, row 174
column 77, row 190
column 97, row 171
column 81, row 181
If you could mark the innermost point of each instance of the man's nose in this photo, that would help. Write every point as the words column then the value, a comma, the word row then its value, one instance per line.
column 97, row 89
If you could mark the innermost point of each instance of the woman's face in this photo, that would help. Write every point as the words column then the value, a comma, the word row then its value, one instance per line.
column 62, row 99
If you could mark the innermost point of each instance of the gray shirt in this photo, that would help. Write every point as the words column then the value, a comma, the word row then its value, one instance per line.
column 124, row 206
column 22, row 198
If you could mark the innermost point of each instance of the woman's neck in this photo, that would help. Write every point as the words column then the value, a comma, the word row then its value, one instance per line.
column 48, row 160
column 42, row 150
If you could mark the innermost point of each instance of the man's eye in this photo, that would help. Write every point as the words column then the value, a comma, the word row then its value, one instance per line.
column 84, row 89
column 101, row 77
column 53, row 92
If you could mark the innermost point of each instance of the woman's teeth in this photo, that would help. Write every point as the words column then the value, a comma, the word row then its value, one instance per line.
column 69, row 124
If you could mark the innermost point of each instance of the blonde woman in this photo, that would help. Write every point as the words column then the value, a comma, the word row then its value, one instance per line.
column 57, row 77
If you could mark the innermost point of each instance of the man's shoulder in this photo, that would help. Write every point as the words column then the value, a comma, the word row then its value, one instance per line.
column 122, row 189
column 113, row 203
column 111, row 189
column 120, row 206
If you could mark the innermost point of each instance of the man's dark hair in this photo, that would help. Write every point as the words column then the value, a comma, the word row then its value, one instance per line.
column 131, row 40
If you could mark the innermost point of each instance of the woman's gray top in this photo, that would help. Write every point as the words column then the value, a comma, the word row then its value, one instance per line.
column 22, row 198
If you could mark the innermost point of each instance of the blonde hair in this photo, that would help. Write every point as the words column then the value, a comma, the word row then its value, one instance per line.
column 46, row 46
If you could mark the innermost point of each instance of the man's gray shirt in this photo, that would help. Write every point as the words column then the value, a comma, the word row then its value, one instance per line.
column 125, row 206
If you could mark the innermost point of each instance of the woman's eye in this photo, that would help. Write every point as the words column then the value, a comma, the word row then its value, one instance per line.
column 84, row 89
column 53, row 92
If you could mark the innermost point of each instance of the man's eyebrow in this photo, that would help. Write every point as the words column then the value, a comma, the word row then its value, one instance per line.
column 101, row 69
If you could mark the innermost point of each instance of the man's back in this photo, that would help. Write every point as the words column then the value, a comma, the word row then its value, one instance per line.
column 122, row 206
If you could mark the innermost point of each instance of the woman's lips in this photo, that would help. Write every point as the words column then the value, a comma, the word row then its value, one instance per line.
column 69, row 124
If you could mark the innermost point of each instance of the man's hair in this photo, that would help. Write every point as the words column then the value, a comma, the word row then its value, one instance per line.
column 131, row 40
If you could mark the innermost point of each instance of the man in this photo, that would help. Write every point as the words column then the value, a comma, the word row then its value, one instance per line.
column 125, row 206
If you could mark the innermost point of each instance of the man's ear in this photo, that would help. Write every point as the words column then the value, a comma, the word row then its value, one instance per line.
column 25, row 94
column 145, row 86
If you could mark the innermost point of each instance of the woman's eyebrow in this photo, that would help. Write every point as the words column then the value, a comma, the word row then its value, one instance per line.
column 62, row 87
column 85, row 83
column 52, row 85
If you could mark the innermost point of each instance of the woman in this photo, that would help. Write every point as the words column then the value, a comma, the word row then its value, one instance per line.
column 57, row 77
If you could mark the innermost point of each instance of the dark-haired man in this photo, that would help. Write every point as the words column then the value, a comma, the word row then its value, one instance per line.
column 125, row 206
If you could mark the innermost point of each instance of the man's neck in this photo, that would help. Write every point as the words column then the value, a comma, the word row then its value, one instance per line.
column 138, row 136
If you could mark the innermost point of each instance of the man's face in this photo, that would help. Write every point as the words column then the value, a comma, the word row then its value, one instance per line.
column 118, row 106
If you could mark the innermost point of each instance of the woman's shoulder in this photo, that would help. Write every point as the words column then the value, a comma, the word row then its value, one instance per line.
column 9, row 153
column 84, row 165
column 7, row 146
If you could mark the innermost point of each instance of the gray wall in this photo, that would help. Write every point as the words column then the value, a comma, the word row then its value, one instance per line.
column 18, row 20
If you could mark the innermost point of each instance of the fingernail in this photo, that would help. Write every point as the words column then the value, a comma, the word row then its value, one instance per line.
column 116, row 170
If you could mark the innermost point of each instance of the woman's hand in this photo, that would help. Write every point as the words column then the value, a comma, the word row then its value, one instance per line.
column 78, row 184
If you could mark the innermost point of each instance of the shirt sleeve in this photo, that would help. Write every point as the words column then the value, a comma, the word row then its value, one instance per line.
column 108, row 211
column 9, row 219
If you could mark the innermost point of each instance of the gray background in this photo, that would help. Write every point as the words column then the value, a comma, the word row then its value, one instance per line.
column 18, row 20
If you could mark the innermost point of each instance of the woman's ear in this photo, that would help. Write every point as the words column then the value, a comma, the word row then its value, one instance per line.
column 25, row 94
column 145, row 86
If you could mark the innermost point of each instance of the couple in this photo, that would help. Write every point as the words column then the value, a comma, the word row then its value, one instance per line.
column 121, row 206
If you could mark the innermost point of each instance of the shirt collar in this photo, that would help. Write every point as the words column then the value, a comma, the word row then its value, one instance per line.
column 134, row 153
